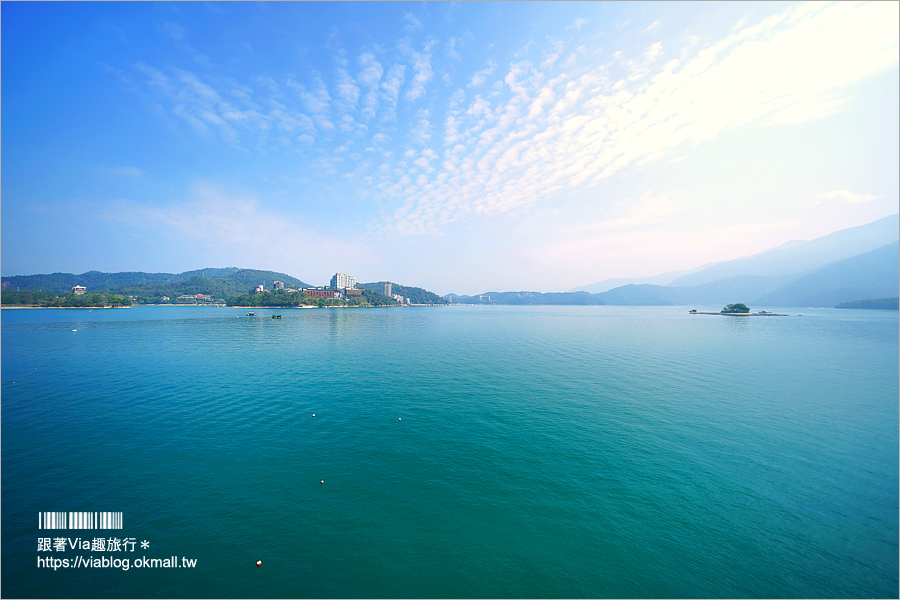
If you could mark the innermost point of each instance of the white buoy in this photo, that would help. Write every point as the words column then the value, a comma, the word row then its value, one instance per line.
column 323, row 481
column 399, row 418
column 314, row 414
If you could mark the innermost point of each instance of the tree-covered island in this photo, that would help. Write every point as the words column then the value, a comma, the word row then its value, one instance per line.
column 738, row 309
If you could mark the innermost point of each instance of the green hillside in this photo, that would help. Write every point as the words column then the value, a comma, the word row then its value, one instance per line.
column 151, row 287
column 416, row 295
column 880, row 303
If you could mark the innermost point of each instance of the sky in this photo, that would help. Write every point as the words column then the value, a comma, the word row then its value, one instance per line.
column 460, row 147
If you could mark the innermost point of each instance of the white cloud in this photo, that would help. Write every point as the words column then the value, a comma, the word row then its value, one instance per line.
column 175, row 30
column 651, row 27
column 347, row 89
column 393, row 82
column 528, row 134
column 654, row 51
column 411, row 23
column 371, row 71
column 450, row 49
column 584, row 128
column 422, row 72
column 123, row 171
column 421, row 131
column 235, row 228
column 479, row 77
column 847, row 196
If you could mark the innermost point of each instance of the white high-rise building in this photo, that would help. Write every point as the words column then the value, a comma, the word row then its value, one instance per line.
column 342, row 280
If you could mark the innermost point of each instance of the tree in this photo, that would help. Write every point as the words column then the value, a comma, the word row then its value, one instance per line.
column 736, row 308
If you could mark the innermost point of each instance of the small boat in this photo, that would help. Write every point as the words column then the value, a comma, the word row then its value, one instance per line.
column 276, row 316
column 251, row 314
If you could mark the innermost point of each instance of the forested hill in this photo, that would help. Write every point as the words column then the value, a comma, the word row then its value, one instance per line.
column 880, row 303
column 416, row 295
column 216, row 282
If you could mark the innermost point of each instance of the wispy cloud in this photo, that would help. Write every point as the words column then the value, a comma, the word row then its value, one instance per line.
column 481, row 76
column 236, row 228
column 511, row 136
column 847, row 196
column 422, row 72
column 123, row 171
column 651, row 27
column 557, row 131
column 411, row 23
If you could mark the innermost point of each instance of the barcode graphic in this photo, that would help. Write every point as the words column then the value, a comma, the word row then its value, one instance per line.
column 80, row 520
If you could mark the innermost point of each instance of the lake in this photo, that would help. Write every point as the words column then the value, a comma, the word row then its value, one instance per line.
column 466, row 451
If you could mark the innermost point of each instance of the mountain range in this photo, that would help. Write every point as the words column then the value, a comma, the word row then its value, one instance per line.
column 857, row 263
column 850, row 265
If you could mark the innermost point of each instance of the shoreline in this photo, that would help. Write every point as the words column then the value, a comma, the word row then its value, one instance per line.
column 741, row 314
column 17, row 306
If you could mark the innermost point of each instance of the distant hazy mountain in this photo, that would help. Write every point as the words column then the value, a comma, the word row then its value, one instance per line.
column 877, row 304
column 874, row 274
column 801, row 257
column 791, row 258
column 852, row 264
column 643, row 295
column 529, row 298
column 608, row 284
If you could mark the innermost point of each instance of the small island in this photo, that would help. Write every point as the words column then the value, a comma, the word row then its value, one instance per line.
column 738, row 310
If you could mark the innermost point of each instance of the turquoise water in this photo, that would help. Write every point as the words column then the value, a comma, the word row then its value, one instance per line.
column 466, row 451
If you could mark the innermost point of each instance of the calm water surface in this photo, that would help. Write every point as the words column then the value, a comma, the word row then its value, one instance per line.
column 466, row 451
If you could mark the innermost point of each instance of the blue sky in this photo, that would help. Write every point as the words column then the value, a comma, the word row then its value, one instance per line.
column 462, row 147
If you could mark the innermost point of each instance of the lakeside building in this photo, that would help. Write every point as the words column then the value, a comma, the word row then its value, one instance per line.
column 278, row 285
column 387, row 289
column 313, row 293
column 351, row 292
column 260, row 288
column 79, row 290
column 342, row 280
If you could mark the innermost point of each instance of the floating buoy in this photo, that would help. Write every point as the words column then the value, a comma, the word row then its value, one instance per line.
column 399, row 418
column 259, row 563
column 323, row 481
column 314, row 414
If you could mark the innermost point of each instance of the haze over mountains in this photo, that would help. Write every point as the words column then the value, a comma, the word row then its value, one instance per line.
column 851, row 264
column 859, row 263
